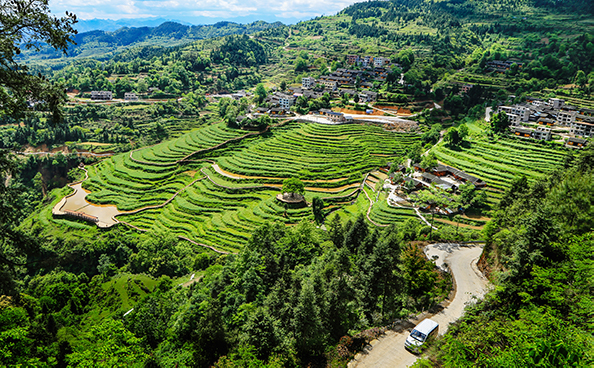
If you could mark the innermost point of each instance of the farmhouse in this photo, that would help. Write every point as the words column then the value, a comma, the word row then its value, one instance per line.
column 308, row 82
column 283, row 100
column 352, row 59
column 333, row 116
column 331, row 84
column 130, row 96
column 379, row 61
column 429, row 179
column 101, row 95
column 413, row 183
column 540, row 133
column 582, row 128
column 566, row 117
column 448, row 171
column 368, row 96
column 515, row 113
column 576, row 143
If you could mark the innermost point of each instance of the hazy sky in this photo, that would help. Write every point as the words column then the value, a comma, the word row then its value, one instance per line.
column 201, row 11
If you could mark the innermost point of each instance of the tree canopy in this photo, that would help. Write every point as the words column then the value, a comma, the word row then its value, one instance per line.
column 293, row 186
column 27, row 23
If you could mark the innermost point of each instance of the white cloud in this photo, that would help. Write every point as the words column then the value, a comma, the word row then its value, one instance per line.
column 268, row 10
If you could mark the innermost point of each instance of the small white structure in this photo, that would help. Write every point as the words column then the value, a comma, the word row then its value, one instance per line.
column 542, row 133
column 101, row 95
column 308, row 82
column 285, row 101
column 380, row 62
column 566, row 117
column 130, row 96
column 582, row 128
column 522, row 112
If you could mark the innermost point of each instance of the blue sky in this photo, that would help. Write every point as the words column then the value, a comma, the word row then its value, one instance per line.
column 201, row 11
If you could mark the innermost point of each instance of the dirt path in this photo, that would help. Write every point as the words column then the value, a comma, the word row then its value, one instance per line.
column 453, row 223
column 389, row 350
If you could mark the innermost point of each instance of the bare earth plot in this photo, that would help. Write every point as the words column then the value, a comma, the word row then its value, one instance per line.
column 389, row 350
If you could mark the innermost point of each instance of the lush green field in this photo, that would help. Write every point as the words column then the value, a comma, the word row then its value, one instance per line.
column 498, row 163
column 221, row 207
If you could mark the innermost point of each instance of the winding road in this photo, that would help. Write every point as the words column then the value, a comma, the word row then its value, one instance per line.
column 388, row 351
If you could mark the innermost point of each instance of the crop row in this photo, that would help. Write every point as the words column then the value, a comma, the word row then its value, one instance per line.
column 176, row 149
column 384, row 214
column 498, row 163
column 221, row 211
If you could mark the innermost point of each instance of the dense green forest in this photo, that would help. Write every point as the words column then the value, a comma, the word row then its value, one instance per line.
column 539, row 254
column 308, row 286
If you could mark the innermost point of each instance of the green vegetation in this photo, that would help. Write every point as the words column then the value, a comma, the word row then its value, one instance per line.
column 539, row 255
column 258, row 283
column 223, row 210
column 498, row 162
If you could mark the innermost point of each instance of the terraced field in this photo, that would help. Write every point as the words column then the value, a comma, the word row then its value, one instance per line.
column 500, row 162
column 227, row 180
column 382, row 213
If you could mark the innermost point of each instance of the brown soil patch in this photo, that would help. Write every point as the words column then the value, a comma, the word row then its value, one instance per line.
column 396, row 109
column 477, row 218
column 357, row 112
column 190, row 173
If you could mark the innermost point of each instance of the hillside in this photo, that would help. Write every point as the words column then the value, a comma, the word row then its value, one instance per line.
column 102, row 45
column 261, row 194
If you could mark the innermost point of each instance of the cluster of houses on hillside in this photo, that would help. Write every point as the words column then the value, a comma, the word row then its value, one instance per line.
column 441, row 176
column 349, row 78
column 577, row 123
column 364, row 61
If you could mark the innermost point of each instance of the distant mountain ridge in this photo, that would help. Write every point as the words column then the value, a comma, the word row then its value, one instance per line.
column 101, row 44
column 110, row 25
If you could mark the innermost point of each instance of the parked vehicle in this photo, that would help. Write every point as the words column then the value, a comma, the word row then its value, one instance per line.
column 424, row 331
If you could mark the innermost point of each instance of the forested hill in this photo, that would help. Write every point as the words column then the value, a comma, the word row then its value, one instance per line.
column 102, row 44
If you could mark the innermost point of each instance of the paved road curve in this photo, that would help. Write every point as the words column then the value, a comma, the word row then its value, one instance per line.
column 389, row 350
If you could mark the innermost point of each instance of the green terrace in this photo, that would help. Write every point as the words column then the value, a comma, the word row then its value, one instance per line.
column 215, row 185
column 498, row 163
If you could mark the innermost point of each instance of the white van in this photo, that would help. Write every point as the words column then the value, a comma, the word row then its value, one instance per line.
column 422, row 332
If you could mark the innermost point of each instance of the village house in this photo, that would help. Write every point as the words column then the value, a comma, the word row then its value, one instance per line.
column 444, row 170
column 566, row 118
column 582, row 128
column 130, row 96
column 466, row 87
column 285, row 101
column 330, row 84
column 546, row 121
column 522, row 132
column 556, row 103
column 576, row 142
column 368, row 96
column 380, row 62
column 308, row 82
column 352, row 59
column 540, row 133
column 429, row 179
column 367, row 60
column 101, row 95
column 277, row 111
column 515, row 113
column 333, row 116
